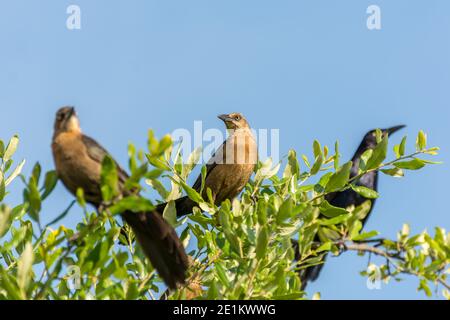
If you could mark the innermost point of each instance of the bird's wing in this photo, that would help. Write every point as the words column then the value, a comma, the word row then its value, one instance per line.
column 331, row 196
column 212, row 163
column 98, row 153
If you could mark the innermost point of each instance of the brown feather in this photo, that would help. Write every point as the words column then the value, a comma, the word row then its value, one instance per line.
column 78, row 161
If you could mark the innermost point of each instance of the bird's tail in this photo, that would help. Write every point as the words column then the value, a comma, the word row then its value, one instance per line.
column 161, row 245
column 183, row 205
column 310, row 273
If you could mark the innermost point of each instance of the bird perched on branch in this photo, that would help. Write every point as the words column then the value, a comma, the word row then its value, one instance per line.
column 78, row 160
column 229, row 169
column 349, row 197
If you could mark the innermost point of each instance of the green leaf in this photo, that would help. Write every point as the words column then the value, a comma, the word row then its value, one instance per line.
column 157, row 162
column 319, row 187
column 337, row 155
column 192, row 161
column 133, row 204
column 402, row 147
column 36, row 172
column 421, row 141
column 267, row 171
column 330, row 211
column 9, row 284
column 325, row 247
column 222, row 274
column 204, row 173
column 262, row 212
column 80, row 197
column 306, row 161
column 414, row 164
column 292, row 167
column 432, row 151
column 2, row 187
column 430, row 162
column 285, row 211
column 317, row 165
column 15, row 173
column 24, row 268
column 365, row 192
column 164, row 144
column 317, row 148
column 261, row 243
column 364, row 158
column 132, row 291
column 170, row 213
column 355, row 228
column 5, row 220
column 11, row 148
column 152, row 143
column 399, row 149
column 333, row 221
column 2, row 148
column 191, row 193
column 235, row 242
column 34, row 198
column 51, row 178
column 158, row 186
column 154, row 174
column 365, row 235
column 109, row 179
column 424, row 286
column 393, row 172
column 326, row 234
column 340, row 178
column 379, row 154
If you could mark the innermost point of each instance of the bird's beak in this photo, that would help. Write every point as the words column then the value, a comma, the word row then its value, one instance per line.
column 72, row 112
column 394, row 129
column 224, row 117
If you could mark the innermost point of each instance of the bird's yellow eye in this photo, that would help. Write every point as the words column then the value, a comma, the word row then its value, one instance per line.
column 237, row 118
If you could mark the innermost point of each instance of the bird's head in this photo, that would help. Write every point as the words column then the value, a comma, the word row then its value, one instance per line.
column 234, row 121
column 370, row 139
column 66, row 120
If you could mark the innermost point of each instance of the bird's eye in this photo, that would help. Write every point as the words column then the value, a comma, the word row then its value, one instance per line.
column 237, row 118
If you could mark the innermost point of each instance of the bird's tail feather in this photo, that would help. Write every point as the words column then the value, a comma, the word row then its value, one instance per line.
column 161, row 245
column 183, row 205
column 309, row 274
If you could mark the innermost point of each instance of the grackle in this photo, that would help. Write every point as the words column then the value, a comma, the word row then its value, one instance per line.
column 78, row 160
column 229, row 169
column 344, row 199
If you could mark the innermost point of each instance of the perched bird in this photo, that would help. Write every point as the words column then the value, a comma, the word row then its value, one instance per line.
column 349, row 197
column 78, row 160
column 229, row 169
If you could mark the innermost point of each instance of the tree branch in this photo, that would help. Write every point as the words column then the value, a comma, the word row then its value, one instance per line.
column 390, row 257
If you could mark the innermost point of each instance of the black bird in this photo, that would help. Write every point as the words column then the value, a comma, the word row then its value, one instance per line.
column 349, row 197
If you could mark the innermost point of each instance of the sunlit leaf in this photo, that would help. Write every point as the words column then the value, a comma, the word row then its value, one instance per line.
column 413, row 164
column 340, row 178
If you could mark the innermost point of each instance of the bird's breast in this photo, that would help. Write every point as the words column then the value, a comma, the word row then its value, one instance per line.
column 74, row 166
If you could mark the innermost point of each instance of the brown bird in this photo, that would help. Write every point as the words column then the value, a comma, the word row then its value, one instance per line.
column 229, row 169
column 78, row 161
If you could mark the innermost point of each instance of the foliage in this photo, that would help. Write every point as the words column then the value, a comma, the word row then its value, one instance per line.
column 240, row 250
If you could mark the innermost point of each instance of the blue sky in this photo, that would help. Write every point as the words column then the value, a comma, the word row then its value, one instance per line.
column 309, row 68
